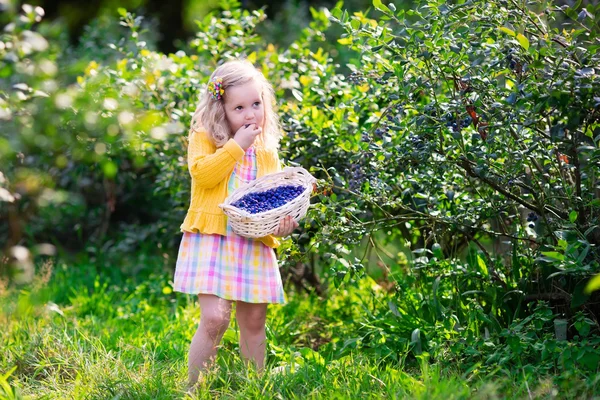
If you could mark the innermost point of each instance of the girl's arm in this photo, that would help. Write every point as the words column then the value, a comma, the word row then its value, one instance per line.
column 207, row 166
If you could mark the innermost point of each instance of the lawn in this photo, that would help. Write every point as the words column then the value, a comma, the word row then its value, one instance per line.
column 78, row 334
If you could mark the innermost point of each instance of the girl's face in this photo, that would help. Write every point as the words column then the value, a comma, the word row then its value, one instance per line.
column 244, row 105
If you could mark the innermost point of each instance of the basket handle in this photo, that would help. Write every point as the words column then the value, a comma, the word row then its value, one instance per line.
column 290, row 170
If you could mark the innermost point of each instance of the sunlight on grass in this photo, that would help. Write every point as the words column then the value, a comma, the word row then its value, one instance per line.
column 68, row 337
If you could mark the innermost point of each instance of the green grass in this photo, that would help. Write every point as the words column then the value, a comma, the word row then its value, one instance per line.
column 73, row 335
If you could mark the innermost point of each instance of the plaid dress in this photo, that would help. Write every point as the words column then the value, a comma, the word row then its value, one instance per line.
column 231, row 267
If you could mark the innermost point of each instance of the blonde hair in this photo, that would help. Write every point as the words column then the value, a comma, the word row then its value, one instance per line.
column 210, row 114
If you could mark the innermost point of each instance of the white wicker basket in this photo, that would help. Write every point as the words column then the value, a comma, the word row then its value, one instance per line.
column 265, row 223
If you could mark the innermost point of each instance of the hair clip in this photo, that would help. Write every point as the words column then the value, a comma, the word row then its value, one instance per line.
column 215, row 88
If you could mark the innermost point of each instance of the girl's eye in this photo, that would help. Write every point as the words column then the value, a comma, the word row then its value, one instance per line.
column 238, row 108
column 256, row 104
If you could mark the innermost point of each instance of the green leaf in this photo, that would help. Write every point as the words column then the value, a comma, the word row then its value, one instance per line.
column 336, row 12
column 344, row 262
column 592, row 285
column 516, row 263
column 297, row 94
column 311, row 355
column 589, row 358
column 437, row 251
column 509, row 32
column 394, row 309
column 438, row 307
column 523, row 41
column 380, row 6
column 554, row 255
column 122, row 12
column 583, row 328
column 482, row 266
column 573, row 216
column 415, row 338
column 5, row 385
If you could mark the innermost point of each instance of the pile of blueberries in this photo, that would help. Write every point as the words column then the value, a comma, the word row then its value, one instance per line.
column 264, row 201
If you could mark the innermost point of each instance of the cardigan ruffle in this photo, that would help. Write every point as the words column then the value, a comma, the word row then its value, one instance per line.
column 198, row 221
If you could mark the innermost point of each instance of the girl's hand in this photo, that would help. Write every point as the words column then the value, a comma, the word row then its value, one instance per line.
column 246, row 134
column 286, row 227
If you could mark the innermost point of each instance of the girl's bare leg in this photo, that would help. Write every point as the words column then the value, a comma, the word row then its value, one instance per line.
column 214, row 321
column 251, row 320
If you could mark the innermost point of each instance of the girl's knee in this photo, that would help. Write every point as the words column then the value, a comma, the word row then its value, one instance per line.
column 214, row 315
column 252, row 319
column 215, row 323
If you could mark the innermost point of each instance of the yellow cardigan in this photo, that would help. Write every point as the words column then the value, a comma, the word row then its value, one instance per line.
column 210, row 168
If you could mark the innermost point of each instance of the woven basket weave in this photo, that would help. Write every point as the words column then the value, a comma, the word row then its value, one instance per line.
column 265, row 223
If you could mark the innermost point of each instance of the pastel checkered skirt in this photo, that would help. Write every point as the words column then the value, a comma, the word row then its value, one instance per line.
column 231, row 267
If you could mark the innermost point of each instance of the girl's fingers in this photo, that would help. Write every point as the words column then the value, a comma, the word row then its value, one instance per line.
column 286, row 226
column 291, row 225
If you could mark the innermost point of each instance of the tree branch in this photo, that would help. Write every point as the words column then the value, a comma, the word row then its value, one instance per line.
column 467, row 167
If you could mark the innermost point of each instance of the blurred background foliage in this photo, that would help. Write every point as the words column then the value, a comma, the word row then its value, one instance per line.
column 456, row 146
column 175, row 21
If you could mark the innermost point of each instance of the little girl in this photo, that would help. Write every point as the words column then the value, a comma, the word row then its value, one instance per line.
column 233, row 139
